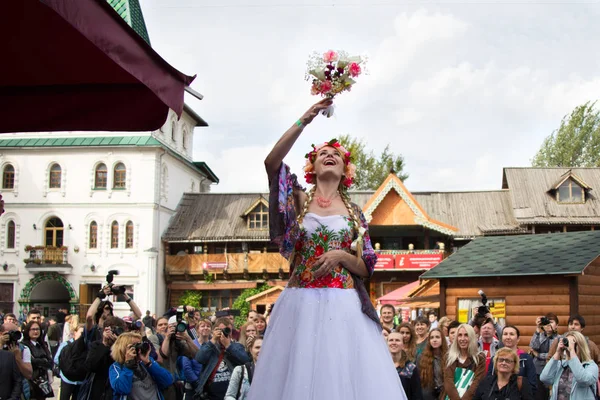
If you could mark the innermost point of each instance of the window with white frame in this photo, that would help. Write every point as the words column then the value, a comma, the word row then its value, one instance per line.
column 54, row 181
column 10, row 234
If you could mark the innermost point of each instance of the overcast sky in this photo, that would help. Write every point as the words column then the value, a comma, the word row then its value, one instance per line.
column 460, row 89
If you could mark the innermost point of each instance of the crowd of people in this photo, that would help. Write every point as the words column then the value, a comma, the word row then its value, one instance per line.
column 481, row 360
column 179, row 355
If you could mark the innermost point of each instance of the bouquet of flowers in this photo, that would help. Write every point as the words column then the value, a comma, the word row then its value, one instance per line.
column 332, row 73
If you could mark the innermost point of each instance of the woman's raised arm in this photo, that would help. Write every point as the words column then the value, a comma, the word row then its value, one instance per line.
column 285, row 143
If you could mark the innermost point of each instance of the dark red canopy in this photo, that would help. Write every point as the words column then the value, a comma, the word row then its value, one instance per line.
column 77, row 65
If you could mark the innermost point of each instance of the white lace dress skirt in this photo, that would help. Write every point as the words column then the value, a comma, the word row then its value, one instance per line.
column 320, row 346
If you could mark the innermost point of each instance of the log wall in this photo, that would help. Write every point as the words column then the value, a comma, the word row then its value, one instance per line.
column 589, row 300
column 526, row 299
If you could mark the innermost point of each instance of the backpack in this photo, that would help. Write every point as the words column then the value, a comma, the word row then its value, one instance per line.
column 72, row 360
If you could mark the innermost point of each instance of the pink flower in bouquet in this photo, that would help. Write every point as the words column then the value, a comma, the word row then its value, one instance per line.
column 314, row 89
column 354, row 70
column 326, row 87
column 330, row 56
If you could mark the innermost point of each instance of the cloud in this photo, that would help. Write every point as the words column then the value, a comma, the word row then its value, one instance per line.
column 459, row 90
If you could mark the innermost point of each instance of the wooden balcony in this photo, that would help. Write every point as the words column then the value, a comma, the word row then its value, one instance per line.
column 231, row 263
column 47, row 259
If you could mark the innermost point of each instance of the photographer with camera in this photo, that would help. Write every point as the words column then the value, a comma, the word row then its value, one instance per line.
column 99, row 360
column 10, row 337
column 541, row 340
column 219, row 356
column 571, row 371
column 176, row 343
column 134, row 374
column 483, row 313
column 101, row 308
column 576, row 323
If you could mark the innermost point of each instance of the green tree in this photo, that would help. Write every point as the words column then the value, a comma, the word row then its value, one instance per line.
column 241, row 304
column 191, row 298
column 576, row 143
column 372, row 170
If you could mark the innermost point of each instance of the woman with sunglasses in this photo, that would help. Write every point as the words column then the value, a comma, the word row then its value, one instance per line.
column 505, row 383
column 571, row 371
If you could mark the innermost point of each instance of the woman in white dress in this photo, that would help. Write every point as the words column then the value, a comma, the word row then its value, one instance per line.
column 324, row 339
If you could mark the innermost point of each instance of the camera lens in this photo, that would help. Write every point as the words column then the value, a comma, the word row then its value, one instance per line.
column 565, row 342
column 226, row 332
column 181, row 327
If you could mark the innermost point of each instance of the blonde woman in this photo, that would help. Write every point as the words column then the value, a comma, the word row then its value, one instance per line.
column 571, row 371
column 241, row 377
column 247, row 332
column 505, row 382
column 465, row 365
column 324, row 337
column 407, row 370
column 134, row 374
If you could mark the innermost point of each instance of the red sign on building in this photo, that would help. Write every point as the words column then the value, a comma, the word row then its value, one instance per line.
column 417, row 261
column 384, row 261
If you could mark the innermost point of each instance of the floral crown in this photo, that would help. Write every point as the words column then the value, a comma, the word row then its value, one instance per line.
column 349, row 168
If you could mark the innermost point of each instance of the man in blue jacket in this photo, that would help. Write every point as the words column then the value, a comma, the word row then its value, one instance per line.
column 219, row 357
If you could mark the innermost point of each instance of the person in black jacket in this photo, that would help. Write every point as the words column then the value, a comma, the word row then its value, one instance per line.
column 41, row 358
column 505, row 383
column 10, row 377
column 407, row 370
column 99, row 360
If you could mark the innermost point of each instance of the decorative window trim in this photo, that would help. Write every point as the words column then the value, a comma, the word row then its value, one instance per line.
column 263, row 216
column 63, row 180
column 173, row 130
column 93, row 187
column 6, row 218
column 164, row 184
column 15, row 188
column 127, row 188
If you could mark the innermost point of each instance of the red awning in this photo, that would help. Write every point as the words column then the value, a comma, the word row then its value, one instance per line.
column 77, row 65
column 399, row 295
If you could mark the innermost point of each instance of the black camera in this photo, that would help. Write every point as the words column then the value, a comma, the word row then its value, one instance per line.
column 116, row 330
column 143, row 347
column 483, row 310
column 565, row 342
column 226, row 332
column 544, row 321
column 116, row 290
column 13, row 338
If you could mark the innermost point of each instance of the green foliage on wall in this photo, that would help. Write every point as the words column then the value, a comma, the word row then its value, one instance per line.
column 244, row 307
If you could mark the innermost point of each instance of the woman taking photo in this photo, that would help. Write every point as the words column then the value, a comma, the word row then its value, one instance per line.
column 409, row 340
column 134, row 374
column 504, row 383
column 571, row 371
column 407, row 370
column 465, row 365
column 247, row 333
column 241, row 377
column 431, row 365
column 324, row 337
column 41, row 361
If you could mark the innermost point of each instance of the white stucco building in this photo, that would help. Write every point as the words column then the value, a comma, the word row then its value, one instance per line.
column 84, row 203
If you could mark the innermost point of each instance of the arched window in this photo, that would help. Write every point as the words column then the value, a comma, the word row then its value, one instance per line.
column 114, row 235
column 54, row 232
column 55, row 176
column 10, row 235
column 129, row 235
column 173, row 131
column 93, row 235
column 120, row 173
column 101, row 175
column 8, row 177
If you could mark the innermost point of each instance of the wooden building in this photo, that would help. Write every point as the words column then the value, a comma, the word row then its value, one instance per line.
column 219, row 243
column 525, row 277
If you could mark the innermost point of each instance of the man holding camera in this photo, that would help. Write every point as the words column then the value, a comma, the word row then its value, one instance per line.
column 177, row 342
column 102, row 309
column 219, row 356
column 545, row 333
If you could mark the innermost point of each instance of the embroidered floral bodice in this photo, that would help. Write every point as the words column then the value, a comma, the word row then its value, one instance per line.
column 318, row 235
